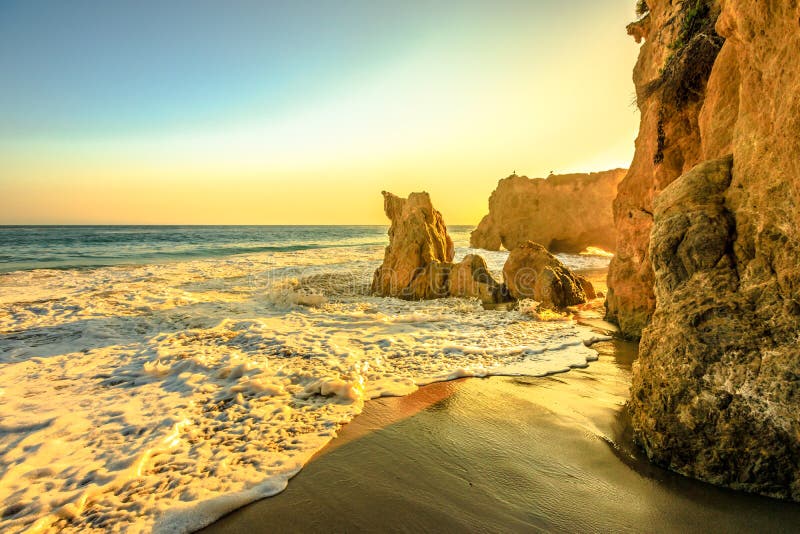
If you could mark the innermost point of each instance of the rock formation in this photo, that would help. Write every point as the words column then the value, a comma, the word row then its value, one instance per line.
column 532, row 272
column 417, row 261
column 670, row 78
column 586, row 285
column 708, row 263
column 471, row 279
column 565, row 213
column 417, row 264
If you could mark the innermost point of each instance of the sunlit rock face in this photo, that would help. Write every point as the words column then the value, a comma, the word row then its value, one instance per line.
column 471, row 279
column 565, row 213
column 667, row 146
column 531, row 272
column 416, row 263
column 708, row 261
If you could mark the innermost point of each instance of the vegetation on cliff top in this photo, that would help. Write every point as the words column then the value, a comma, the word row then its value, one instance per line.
column 683, row 77
column 642, row 8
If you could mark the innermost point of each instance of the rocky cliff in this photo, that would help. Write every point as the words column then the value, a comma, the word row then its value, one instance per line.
column 670, row 76
column 565, row 213
column 707, row 268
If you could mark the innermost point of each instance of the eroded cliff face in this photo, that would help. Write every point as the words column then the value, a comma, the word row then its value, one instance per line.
column 670, row 92
column 708, row 263
column 565, row 213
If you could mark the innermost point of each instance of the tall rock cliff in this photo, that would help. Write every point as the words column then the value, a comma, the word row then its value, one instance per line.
column 670, row 77
column 565, row 213
column 708, row 263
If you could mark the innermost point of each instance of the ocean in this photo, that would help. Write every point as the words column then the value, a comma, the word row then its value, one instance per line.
column 155, row 378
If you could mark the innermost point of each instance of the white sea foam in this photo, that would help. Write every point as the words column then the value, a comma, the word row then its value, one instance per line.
column 162, row 396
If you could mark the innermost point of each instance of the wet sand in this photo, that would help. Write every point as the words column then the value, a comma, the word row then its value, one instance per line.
column 505, row 454
column 501, row 455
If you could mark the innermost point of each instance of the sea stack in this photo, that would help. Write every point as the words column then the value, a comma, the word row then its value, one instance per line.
column 417, row 261
column 707, row 269
column 565, row 213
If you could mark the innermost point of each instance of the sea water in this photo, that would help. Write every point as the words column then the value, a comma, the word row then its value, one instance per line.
column 155, row 378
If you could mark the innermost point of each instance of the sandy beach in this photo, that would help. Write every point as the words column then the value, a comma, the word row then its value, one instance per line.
column 506, row 454
column 502, row 455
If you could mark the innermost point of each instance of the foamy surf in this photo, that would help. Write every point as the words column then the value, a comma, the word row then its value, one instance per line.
column 159, row 397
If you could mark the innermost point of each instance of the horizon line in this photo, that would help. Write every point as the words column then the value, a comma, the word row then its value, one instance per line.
column 56, row 225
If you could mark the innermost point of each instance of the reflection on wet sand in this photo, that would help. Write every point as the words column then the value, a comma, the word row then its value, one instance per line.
column 504, row 453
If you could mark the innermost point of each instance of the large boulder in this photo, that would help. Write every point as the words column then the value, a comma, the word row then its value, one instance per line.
column 532, row 272
column 471, row 279
column 566, row 213
column 417, row 261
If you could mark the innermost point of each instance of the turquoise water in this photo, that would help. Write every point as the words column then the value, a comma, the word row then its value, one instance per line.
column 64, row 247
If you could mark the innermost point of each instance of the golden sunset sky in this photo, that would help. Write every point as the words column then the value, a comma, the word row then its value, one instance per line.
column 301, row 113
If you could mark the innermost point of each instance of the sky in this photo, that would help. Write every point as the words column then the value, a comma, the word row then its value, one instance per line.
column 301, row 112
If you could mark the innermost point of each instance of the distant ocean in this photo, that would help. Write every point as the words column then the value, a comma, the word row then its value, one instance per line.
column 64, row 247
column 158, row 377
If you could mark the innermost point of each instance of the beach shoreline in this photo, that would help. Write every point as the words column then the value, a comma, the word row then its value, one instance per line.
column 467, row 454
column 218, row 378
column 553, row 453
